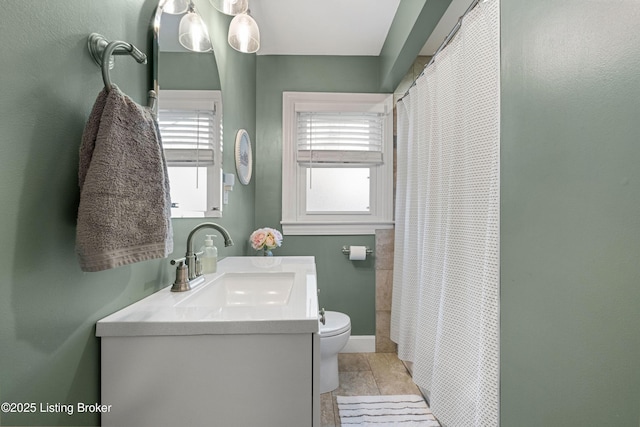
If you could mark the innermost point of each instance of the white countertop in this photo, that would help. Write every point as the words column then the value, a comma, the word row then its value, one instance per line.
column 247, row 295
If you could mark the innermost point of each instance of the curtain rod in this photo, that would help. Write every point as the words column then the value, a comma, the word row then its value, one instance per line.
column 444, row 44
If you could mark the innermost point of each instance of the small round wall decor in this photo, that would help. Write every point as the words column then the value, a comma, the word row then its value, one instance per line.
column 244, row 157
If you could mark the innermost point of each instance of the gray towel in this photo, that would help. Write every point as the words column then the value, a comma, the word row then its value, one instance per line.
column 125, row 208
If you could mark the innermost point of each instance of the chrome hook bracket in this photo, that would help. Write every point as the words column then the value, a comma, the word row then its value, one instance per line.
column 98, row 44
column 102, row 51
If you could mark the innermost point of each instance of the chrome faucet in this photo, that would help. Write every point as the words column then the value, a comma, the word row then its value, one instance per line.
column 187, row 272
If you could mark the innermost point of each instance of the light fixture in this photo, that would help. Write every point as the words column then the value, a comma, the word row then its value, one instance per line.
column 230, row 7
column 244, row 35
column 174, row 7
column 192, row 32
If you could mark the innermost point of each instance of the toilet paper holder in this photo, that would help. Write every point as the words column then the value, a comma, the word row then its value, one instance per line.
column 347, row 251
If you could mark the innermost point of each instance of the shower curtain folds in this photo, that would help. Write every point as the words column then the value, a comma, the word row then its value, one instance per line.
column 445, row 308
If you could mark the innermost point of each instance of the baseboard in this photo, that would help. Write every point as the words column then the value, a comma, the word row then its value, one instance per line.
column 360, row 344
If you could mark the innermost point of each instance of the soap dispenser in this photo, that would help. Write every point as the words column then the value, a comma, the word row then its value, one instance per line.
column 209, row 257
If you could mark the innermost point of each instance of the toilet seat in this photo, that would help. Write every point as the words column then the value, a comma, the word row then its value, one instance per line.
column 335, row 324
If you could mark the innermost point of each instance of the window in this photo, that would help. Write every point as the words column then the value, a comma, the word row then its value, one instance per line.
column 337, row 163
column 190, row 123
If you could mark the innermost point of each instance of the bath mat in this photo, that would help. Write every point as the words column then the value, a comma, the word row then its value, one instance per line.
column 399, row 410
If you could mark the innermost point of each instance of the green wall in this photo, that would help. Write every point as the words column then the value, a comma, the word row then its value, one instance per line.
column 48, row 307
column 570, row 214
column 411, row 27
column 203, row 71
column 344, row 285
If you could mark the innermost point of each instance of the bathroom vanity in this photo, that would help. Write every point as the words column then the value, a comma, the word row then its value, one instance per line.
column 241, row 349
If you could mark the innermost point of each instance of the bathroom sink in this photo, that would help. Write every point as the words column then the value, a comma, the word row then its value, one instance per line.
column 250, row 289
column 248, row 295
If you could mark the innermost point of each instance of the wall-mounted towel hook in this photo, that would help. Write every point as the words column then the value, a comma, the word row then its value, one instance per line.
column 102, row 51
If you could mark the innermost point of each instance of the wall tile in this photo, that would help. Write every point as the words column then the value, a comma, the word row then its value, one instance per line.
column 384, row 249
column 384, row 286
column 383, row 327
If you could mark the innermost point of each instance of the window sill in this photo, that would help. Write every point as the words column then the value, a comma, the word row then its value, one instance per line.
column 333, row 228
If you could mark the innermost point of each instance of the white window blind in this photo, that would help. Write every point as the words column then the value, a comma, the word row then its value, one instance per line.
column 334, row 138
column 188, row 136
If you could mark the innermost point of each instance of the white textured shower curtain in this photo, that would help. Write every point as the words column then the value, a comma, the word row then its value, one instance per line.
column 445, row 311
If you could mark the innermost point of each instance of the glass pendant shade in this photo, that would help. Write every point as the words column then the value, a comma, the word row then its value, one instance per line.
column 193, row 34
column 244, row 35
column 230, row 7
column 175, row 7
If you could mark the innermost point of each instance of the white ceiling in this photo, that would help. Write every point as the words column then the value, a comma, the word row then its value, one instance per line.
column 336, row 27
column 323, row 27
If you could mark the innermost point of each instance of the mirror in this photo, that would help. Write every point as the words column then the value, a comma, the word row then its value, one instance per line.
column 190, row 120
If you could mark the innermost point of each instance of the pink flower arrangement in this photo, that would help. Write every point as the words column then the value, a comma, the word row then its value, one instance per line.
column 265, row 238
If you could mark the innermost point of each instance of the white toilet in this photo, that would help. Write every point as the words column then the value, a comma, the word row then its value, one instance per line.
column 334, row 335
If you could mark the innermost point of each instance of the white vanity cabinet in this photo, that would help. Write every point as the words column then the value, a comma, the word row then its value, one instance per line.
column 168, row 363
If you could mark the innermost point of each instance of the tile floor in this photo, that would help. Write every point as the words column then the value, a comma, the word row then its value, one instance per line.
column 365, row 374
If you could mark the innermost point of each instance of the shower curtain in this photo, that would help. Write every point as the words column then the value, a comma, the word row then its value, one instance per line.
column 445, row 307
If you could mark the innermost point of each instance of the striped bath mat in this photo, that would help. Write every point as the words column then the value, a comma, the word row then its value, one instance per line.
column 405, row 410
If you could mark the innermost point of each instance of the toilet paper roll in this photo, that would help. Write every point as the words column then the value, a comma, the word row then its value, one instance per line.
column 357, row 253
